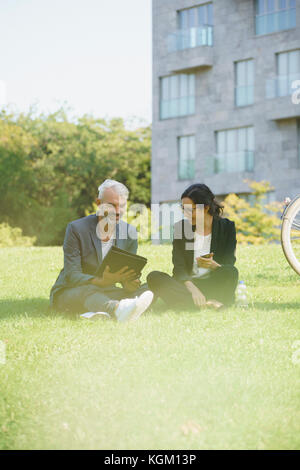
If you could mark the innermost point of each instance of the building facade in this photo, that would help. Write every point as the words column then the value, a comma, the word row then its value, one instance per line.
column 225, row 100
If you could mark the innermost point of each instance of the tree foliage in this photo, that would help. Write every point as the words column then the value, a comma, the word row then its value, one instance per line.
column 258, row 223
column 51, row 167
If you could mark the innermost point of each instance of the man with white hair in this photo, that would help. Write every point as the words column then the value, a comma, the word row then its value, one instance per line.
column 87, row 242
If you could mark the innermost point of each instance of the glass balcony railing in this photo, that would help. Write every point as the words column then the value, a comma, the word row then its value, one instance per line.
column 231, row 162
column 186, row 169
column 244, row 95
column 192, row 37
column 282, row 85
column 277, row 21
column 177, row 107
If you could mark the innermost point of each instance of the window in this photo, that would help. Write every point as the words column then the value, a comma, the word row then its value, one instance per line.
column 177, row 96
column 186, row 161
column 244, row 82
column 251, row 198
column 248, row 197
column 194, row 28
column 288, row 70
column 275, row 15
column 235, row 150
column 169, row 214
column 196, row 16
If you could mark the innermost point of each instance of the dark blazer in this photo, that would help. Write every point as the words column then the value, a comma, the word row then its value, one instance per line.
column 223, row 245
column 83, row 251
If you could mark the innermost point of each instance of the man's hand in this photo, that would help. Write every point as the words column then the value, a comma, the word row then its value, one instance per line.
column 198, row 298
column 109, row 279
column 208, row 263
column 131, row 286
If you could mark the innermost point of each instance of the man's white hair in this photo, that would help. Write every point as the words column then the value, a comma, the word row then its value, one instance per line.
column 120, row 188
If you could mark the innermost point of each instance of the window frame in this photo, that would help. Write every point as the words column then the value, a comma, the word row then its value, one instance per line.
column 208, row 6
column 237, row 136
column 267, row 12
column 288, row 75
column 180, row 159
column 248, row 85
column 190, row 89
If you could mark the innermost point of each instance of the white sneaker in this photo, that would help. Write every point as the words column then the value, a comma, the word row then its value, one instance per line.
column 132, row 309
column 94, row 316
column 143, row 303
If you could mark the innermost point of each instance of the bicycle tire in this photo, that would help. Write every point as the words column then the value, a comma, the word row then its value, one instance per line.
column 287, row 224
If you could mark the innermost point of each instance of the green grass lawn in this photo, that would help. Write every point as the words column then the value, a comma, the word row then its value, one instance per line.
column 70, row 383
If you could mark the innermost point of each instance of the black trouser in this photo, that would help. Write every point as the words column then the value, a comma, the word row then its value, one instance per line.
column 220, row 285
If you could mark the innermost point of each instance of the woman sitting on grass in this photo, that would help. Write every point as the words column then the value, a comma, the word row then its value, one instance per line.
column 199, row 280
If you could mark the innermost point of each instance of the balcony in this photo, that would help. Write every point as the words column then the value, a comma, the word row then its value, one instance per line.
column 231, row 162
column 190, row 38
column 177, row 107
column 186, row 169
column 279, row 91
column 276, row 21
column 282, row 85
column 189, row 49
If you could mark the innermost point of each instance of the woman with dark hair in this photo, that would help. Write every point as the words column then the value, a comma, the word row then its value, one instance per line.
column 203, row 255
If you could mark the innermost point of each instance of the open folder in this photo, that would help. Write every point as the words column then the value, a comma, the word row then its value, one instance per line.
column 117, row 259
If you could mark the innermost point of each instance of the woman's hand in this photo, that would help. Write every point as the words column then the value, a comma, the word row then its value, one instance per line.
column 208, row 263
column 198, row 298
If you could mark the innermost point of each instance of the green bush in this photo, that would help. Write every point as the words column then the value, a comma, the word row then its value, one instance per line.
column 12, row 236
column 258, row 223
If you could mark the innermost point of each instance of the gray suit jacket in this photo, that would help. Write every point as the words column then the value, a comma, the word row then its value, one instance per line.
column 83, row 252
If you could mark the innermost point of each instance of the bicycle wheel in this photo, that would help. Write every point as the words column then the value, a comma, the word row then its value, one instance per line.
column 290, row 234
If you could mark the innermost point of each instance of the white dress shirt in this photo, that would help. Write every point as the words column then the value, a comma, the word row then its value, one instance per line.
column 201, row 247
column 105, row 245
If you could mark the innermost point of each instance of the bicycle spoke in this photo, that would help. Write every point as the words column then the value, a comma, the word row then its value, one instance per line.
column 290, row 234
